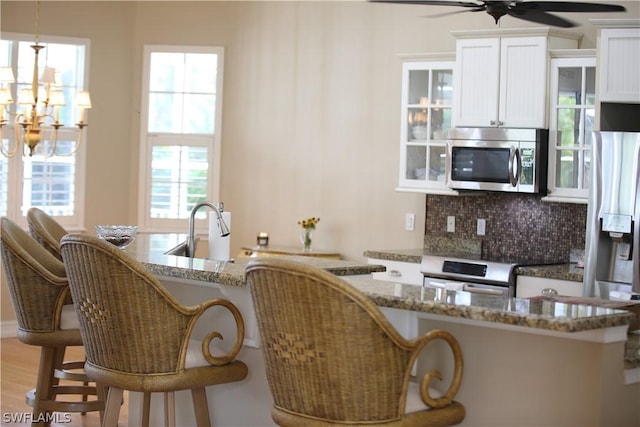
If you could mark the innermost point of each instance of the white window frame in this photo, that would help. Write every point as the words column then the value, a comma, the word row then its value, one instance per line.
column 148, row 140
column 15, row 178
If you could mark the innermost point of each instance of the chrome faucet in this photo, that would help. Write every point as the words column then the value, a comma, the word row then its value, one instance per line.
column 190, row 244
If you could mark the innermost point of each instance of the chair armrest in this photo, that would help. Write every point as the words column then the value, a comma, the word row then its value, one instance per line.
column 230, row 356
column 449, row 395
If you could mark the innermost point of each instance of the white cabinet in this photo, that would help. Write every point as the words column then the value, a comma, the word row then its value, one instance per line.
column 500, row 78
column 619, row 60
column 528, row 286
column 427, row 93
column 572, row 118
column 398, row 271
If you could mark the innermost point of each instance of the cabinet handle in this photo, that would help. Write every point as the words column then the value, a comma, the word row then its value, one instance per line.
column 492, row 122
column 500, row 123
column 394, row 273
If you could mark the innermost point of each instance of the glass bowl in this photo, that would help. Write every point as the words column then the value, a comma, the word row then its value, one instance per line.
column 118, row 235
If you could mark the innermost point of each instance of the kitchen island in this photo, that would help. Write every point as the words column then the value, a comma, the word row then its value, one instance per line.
column 537, row 363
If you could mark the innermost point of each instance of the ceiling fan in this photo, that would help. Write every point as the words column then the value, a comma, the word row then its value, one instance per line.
column 534, row 11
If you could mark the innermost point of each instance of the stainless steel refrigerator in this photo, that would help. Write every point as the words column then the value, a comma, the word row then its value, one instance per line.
column 612, row 253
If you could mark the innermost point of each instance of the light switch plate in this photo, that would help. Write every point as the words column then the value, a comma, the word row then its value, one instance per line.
column 409, row 221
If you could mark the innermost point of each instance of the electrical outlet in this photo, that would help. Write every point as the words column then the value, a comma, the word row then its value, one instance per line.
column 409, row 221
column 482, row 227
column 451, row 224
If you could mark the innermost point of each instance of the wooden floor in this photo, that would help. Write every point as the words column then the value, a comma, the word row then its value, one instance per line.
column 18, row 367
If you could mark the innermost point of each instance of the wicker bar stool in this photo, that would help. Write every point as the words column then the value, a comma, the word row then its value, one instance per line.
column 45, row 230
column 46, row 318
column 137, row 335
column 332, row 358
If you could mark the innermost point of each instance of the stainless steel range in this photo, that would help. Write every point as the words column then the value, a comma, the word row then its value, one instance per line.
column 486, row 277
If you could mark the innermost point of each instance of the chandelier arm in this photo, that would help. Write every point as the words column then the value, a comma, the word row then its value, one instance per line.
column 6, row 150
column 51, row 137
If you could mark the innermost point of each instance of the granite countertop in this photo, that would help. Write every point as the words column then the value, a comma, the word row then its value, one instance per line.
column 549, row 315
column 149, row 249
column 280, row 250
column 566, row 271
column 540, row 314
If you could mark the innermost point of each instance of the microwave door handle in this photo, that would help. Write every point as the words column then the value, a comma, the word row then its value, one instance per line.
column 515, row 164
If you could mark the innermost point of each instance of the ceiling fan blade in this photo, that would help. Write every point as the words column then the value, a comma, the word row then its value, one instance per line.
column 431, row 3
column 564, row 6
column 455, row 12
column 541, row 17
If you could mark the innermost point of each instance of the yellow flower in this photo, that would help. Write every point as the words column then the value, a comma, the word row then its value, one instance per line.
column 309, row 223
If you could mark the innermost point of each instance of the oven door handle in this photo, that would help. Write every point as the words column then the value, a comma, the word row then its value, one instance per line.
column 515, row 165
column 477, row 290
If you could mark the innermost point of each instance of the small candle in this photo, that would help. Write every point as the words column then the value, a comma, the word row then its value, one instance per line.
column 263, row 239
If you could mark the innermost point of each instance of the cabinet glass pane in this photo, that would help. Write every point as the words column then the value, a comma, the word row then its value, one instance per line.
column 417, row 119
column 570, row 86
column 442, row 87
column 418, row 87
column 589, row 123
column 567, row 173
column 587, row 169
column 440, row 122
column 590, row 85
column 569, row 127
column 437, row 157
column 416, row 162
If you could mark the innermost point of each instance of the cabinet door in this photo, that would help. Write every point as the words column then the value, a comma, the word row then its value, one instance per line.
column 523, row 82
column 427, row 90
column 476, row 82
column 619, row 65
column 572, row 96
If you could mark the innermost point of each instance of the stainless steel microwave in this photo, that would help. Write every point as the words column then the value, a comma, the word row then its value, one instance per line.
column 497, row 159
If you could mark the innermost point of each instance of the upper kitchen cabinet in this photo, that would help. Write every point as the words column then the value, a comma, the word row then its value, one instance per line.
column 501, row 76
column 572, row 118
column 618, row 60
column 427, row 93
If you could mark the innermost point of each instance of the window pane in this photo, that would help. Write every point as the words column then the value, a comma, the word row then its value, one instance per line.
column 199, row 114
column 165, row 113
column 179, row 180
column 167, row 72
column 182, row 96
column 201, row 72
column 49, row 184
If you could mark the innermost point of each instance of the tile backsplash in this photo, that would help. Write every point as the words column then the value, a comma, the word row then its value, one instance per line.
column 518, row 226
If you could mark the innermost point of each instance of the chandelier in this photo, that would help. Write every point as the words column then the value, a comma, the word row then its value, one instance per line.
column 36, row 115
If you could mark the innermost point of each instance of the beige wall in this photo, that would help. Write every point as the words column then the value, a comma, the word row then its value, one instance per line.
column 311, row 107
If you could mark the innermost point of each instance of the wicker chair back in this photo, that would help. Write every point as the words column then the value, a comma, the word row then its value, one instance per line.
column 331, row 355
column 45, row 230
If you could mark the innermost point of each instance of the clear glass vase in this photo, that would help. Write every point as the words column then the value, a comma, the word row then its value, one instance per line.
column 306, row 237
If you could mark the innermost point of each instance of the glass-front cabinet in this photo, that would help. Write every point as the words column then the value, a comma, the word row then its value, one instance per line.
column 572, row 119
column 427, row 93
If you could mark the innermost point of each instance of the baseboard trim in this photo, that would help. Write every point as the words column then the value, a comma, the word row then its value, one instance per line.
column 8, row 328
